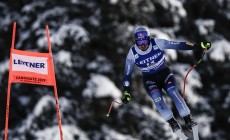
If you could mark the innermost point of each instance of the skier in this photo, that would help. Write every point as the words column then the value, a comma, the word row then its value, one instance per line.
column 148, row 55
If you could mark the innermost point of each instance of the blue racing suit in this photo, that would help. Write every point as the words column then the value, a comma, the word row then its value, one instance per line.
column 156, row 74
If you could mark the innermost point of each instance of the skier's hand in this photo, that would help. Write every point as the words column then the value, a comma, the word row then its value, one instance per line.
column 126, row 97
column 205, row 45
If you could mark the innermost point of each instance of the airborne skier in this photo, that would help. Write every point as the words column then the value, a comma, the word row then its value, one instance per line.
column 148, row 55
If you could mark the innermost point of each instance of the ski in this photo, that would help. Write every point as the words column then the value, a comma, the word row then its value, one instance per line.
column 195, row 132
column 181, row 135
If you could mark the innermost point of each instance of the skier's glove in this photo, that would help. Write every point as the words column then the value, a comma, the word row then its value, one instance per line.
column 205, row 45
column 126, row 97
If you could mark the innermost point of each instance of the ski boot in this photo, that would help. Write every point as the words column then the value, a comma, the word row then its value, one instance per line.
column 189, row 122
column 174, row 124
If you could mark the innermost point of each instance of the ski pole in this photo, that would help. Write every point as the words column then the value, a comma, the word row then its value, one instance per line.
column 198, row 62
column 186, row 78
column 111, row 105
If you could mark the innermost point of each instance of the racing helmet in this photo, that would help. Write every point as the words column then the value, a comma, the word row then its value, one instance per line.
column 141, row 36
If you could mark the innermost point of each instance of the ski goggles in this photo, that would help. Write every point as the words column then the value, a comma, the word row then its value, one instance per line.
column 142, row 35
column 142, row 42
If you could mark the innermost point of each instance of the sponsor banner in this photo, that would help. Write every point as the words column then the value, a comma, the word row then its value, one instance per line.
column 25, row 63
column 31, row 79
column 31, row 67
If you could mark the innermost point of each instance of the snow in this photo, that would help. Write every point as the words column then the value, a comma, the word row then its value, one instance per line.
column 73, row 30
column 219, row 50
column 6, row 17
column 170, row 55
column 65, row 104
column 220, row 2
column 205, row 26
column 2, row 4
column 101, row 86
column 94, row 20
column 158, row 33
column 111, row 134
column 100, row 64
column 226, row 103
column 193, row 81
column 155, row 116
column 227, row 14
column 56, row 11
column 4, row 66
column 113, row 1
column 38, row 109
column 70, row 132
column 75, row 1
column 22, row 37
column 5, row 21
column 24, row 100
column 126, row 30
column 31, row 7
column 204, row 124
column 42, row 103
column 63, row 57
column 175, row 7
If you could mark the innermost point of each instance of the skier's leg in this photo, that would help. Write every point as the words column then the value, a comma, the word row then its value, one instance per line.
column 178, row 101
column 154, row 87
column 154, row 91
column 160, row 104
column 172, row 91
column 164, row 110
column 181, row 107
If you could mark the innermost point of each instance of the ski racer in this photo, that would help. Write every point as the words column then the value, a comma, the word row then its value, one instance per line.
column 148, row 55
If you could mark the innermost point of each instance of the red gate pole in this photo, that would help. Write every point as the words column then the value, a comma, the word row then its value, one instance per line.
column 55, row 86
column 9, row 86
column 7, row 111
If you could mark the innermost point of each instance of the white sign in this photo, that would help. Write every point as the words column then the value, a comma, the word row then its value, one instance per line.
column 34, row 64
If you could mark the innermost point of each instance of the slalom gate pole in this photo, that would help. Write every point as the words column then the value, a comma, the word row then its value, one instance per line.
column 111, row 106
column 58, row 112
column 55, row 87
column 9, row 86
column 7, row 111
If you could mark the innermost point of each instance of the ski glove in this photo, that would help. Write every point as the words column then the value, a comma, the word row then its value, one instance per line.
column 126, row 97
column 205, row 45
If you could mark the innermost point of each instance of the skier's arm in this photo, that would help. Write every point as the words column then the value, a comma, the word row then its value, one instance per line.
column 165, row 44
column 129, row 64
